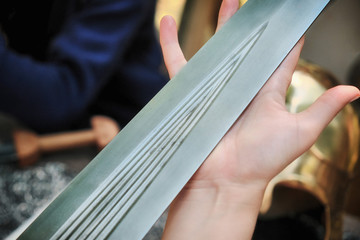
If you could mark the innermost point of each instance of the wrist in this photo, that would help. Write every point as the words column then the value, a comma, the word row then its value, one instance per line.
column 224, row 195
column 224, row 191
column 208, row 211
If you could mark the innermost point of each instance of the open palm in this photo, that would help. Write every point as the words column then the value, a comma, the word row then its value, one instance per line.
column 266, row 137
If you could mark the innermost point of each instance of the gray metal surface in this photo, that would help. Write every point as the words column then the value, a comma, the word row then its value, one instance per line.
column 123, row 191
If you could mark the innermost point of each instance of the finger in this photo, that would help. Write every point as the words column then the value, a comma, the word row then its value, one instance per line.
column 280, row 80
column 173, row 57
column 312, row 121
column 227, row 9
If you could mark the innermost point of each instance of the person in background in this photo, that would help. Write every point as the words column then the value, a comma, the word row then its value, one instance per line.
column 62, row 61
column 223, row 198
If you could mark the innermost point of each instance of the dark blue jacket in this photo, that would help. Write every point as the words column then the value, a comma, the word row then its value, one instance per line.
column 62, row 63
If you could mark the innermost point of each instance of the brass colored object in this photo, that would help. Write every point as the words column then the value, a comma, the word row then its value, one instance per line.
column 352, row 205
column 242, row 2
column 172, row 8
column 198, row 24
column 325, row 170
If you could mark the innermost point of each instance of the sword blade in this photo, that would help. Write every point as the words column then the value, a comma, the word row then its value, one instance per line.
column 123, row 191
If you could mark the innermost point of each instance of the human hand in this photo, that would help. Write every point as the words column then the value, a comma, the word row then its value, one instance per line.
column 266, row 137
column 261, row 143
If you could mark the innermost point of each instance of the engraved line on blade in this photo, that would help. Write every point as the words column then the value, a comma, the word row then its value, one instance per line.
column 135, row 161
column 202, row 108
column 142, row 157
column 208, row 103
column 163, row 154
column 141, row 175
column 185, row 129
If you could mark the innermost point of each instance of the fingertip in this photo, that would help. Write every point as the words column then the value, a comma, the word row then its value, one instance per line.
column 353, row 93
column 168, row 31
column 355, row 98
column 332, row 101
column 173, row 56
column 227, row 9
column 344, row 93
column 167, row 20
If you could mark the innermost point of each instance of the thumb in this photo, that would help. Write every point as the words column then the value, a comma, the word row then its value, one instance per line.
column 313, row 120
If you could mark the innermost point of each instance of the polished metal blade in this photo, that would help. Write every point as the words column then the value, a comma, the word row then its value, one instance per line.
column 124, row 190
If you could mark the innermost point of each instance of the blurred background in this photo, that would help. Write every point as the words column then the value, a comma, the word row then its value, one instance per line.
column 332, row 43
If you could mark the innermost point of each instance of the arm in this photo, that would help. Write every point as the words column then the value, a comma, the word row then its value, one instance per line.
column 223, row 198
column 52, row 94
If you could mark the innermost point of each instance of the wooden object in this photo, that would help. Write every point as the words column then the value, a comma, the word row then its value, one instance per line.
column 29, row 146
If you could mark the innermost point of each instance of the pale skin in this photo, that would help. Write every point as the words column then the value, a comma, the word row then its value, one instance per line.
column 223, row 198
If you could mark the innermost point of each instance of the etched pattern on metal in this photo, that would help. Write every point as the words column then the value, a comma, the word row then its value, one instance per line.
column 105, row 208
